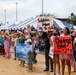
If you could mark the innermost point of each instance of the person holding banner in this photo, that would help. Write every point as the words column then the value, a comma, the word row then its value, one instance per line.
column 31, row 56
column 26, row 35
column 55, row 57
column 15, row 43
column 65, row 57
column 21, row 40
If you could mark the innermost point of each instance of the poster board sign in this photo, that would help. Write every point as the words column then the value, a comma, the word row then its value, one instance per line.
column 63, row 45
column 45, row 22
column 22, row 51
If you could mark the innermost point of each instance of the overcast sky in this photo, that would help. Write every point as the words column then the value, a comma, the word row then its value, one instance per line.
column 31, row 8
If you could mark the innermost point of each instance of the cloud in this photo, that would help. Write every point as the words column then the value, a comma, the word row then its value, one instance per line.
column 29, row 8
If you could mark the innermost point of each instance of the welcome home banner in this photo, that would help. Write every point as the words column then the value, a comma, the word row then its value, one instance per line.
column 63, row 45
column 22, row 51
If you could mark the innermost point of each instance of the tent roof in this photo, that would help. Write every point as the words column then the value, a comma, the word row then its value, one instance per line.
column 59, row 24
column 33, row 22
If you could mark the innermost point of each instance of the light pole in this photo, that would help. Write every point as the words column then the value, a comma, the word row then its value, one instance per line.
column 42, row 7
column 5, row 16
column 16, row 11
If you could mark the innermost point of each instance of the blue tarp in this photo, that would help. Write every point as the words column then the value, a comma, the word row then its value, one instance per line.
column 64, row 23
column 67, row 25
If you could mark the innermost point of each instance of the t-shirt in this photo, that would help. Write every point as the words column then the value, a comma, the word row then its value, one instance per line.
column 21, row 40
column 47, row 43
column 15, row 41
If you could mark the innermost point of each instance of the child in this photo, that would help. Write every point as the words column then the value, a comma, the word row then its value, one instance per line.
column 36, row 45
column 31, row 56
column 21, row 40
column 15, row 43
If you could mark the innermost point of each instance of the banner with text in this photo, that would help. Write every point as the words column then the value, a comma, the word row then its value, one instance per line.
column 63, row 45
column 22, row 51
column 44, row 22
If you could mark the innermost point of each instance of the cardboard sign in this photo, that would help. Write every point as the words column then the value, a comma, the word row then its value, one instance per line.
column 63, row 45
column 22, row 51
column 45, row 22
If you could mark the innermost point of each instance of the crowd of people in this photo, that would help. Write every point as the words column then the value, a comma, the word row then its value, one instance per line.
column 10, row 38
column 35, row 38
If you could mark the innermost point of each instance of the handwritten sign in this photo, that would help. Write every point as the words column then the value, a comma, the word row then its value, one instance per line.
column 63, row 45
column 43, row 20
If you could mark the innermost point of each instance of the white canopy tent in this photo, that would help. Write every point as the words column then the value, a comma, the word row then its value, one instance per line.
column 23, row 24
column 34, row 22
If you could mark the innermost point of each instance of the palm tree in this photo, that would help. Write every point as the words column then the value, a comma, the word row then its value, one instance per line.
column 72, row 19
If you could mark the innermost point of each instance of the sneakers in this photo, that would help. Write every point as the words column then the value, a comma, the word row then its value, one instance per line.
column 21, row 65
column 58, row 74
column 14, row 59
column 26, row 66
column 45, row 70
column 35, row 61
column 29, row 70
column 52, row 73
column 55, row 74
